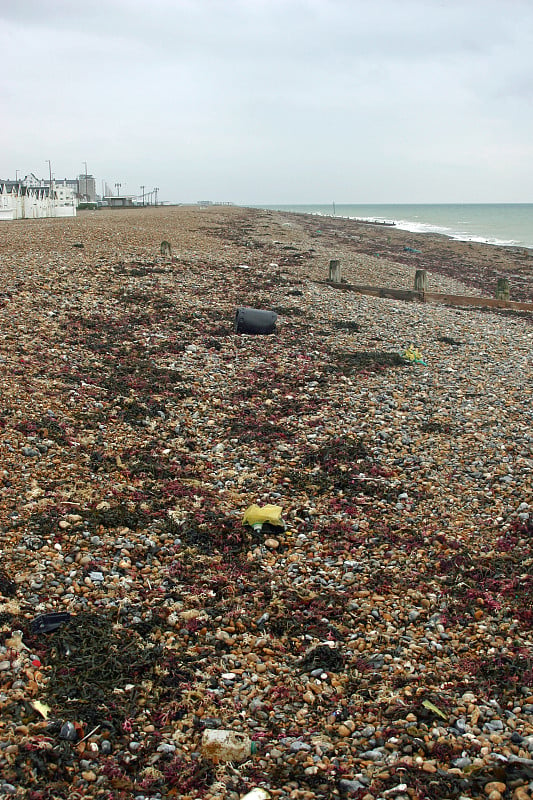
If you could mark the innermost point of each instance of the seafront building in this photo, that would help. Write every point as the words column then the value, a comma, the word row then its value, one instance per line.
column 31, row 198
column 86, row 188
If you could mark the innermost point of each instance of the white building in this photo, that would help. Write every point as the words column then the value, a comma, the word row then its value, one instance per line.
column 30, row 199
column 65, row 195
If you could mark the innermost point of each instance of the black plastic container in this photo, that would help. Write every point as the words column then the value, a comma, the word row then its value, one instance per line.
column 255, row 321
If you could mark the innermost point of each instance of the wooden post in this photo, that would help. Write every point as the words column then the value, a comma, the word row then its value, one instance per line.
column 166, row 250
column 421, row 280
column 335, row 271
column 502, row 289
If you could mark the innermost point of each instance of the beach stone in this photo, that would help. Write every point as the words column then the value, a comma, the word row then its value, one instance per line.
column 396, row 791
column 460, row 724
column 272, row 543
column 297, row 746
column 373, row 755
column 30, row 452
column 68, row 731
column 462, row 762
column 495, row 786
column 350, row 786
column 344, row 731
column 166, row 747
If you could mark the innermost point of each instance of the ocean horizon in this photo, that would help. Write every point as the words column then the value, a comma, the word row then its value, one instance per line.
column 502, row 224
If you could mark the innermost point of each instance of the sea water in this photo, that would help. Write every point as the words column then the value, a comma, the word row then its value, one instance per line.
column 505, row 224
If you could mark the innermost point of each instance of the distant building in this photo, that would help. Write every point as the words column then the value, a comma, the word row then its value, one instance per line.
column 32, row 180
column 31, row 199
column 87, row 188
column 206, row 203
column 83, row 187
column 120, row 201
column 72, row 183
column 65, row 192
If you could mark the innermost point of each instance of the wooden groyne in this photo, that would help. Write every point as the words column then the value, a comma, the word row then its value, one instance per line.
column 432, row 297
column 423, row 296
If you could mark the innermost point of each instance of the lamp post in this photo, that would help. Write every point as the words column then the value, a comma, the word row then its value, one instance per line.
column 50, row 173
column 142, row 190
column 117, row 187
column 156, row 189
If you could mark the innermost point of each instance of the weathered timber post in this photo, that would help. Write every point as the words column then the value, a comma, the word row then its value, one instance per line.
column 166, row 249
column 421, row 280
column 502, row 289
column 335, row 271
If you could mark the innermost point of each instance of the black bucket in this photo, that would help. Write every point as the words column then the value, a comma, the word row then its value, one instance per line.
column 255, row 321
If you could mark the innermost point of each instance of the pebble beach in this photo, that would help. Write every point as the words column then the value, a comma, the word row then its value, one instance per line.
column 372, row 641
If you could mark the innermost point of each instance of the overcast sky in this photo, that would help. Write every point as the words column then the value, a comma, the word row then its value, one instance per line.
column 273, row 101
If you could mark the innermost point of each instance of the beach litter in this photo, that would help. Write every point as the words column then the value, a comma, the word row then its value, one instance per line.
column 414, row 355
column 256, row 516
column 227, row 745
column 46, row 623
column 255, row 321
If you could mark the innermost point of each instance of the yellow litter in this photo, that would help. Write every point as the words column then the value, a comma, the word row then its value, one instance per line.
column 432, row 707
column 254, row 515
column 42, row 708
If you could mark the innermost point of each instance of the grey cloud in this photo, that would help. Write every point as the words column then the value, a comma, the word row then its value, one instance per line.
column 241, row 96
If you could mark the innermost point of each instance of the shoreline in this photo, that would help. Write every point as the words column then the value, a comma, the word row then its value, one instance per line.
column 476, row 265
column 382, row 634
column 410, row 225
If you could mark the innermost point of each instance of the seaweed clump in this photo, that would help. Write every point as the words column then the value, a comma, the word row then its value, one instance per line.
column 8, row 588
column 323, row 657
column 365, row 361
column 91, row 658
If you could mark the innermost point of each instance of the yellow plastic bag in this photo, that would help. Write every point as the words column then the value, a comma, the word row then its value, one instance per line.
column 254, row 515
column 414, row 355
